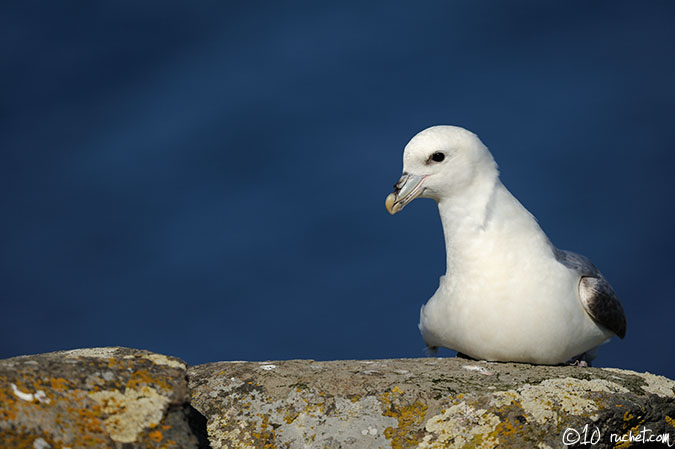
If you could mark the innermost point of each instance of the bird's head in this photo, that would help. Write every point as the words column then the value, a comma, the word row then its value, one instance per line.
column 438, row 163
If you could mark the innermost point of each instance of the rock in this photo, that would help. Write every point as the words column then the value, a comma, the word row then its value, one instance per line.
column 95, row 398
column 427, row 403
column 125, row 398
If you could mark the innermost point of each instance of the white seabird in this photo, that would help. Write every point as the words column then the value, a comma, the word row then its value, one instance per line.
column 508, row 293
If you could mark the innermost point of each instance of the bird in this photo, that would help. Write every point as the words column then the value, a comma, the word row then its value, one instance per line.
column 508, row 294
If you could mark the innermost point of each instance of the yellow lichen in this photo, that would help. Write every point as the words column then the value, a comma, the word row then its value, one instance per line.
column 410, row 418
column 263, row 433
column 160, row 359
column 131, row 412
column 291, row 416
column 506, row 429
column 462, row 426
column 545, row 402
column 670, row 421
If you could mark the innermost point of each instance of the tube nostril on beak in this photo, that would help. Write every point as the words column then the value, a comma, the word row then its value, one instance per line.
column 401, row 182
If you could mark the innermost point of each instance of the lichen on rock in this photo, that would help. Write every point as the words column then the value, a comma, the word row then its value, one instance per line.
column 131, row 412
column 94, row 398
column 119, row 397
column 423, row 403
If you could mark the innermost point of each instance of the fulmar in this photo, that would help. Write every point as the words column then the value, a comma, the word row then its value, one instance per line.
column 508, row 294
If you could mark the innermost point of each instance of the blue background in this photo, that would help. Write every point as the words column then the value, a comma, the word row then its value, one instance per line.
column 208, row 180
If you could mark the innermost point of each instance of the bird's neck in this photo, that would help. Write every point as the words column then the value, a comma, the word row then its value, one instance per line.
column 486, row 220
column 471, row 207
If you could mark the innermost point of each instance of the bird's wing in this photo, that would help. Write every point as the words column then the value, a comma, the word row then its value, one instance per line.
column 597, row 296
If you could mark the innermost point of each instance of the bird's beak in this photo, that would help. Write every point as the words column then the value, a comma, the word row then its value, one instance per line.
column 406, row 189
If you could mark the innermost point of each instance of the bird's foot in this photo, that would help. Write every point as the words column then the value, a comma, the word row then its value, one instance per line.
column 584, row 359
column 580, row 363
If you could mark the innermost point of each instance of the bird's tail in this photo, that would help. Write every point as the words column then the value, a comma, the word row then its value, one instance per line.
column 431, row 351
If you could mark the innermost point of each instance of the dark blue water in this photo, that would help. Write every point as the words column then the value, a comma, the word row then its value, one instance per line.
column 208, row 181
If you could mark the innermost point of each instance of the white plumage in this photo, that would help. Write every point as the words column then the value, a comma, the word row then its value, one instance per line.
column 508, row 294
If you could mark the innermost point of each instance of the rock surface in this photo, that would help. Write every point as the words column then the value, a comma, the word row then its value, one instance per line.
column 99, row 397
column 125, row 398
column 426, row 403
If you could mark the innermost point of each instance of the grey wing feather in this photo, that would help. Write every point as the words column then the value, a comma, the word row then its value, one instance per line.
column 597, row 296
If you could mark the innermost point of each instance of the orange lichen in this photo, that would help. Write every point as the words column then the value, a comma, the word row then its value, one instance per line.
column 7, row 402
column 142, row 377
column 156, row 436
column 20, row 439
column 72, row 418
column 58, row 384
column 506, row 429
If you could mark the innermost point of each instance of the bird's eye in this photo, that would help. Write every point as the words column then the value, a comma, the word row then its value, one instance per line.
column 437, row 157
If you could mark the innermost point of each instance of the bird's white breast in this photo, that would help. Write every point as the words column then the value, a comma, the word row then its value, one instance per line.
column 505, row 296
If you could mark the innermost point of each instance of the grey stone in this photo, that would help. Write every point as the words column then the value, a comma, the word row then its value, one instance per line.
column 426, row 403
column 99, row 397
column 125, row 398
